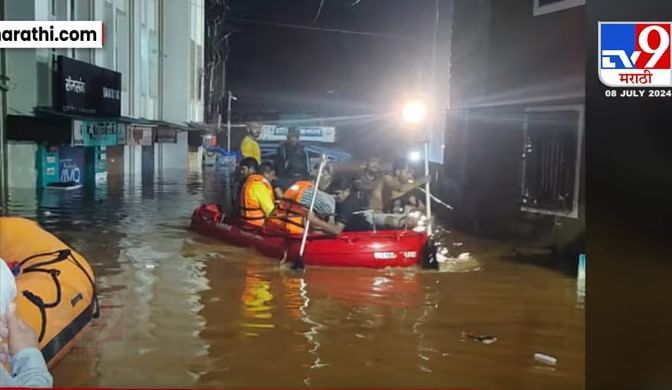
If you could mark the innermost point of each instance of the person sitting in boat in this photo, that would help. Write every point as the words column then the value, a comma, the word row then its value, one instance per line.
column 389, row 198
column 399, row 185
column 351, row 210
column 18, row 342
column 256, row 198
column 248, row 166
column 290, row 214
column 369, row 178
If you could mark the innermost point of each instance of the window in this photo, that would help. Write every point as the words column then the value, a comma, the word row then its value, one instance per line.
column 59, row 9
column 123, row 49
column 110, row 37
column 148, row 46
column 192, row 68
column 154, row 64
column 199, row 72
column 82, row 11
column 152, row 25
column 196, row 17
column 144, row 52
column 552, row 160
column 542, row 7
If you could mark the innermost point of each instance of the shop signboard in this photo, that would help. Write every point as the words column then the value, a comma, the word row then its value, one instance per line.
column 85, row 89
column 100, row 165
column 71, row 164
column 121, row 134
column 94, row 133
column 48, row 165
column 324, row 134
column 166, row 135
column 139, row 135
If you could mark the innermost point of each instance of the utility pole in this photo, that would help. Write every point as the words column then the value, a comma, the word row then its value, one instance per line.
column 230, row 98
column 433, row 122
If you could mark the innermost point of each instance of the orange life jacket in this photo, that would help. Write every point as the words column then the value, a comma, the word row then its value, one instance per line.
column 250, row 209
column 290, row 215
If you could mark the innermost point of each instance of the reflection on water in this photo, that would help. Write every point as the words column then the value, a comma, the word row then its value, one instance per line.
column 256, row 300
column 183, row 310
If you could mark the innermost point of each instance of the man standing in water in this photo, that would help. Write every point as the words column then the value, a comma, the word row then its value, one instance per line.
column 249, row 147
column 291, row 159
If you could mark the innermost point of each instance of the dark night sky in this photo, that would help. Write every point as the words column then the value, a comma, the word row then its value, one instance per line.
column 293, row 70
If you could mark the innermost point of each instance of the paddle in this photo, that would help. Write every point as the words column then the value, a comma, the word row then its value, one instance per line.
column 298, row 263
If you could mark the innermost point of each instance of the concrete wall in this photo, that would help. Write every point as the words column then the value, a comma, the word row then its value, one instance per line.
column 182, row 61
column 132, row 160
column 175, row 60
column 22, row 64
column 23, row 157
column 175, row 156
column 197, row 34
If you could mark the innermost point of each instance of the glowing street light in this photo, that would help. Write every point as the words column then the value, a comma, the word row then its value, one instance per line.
column 414, row 156
column 414, row 112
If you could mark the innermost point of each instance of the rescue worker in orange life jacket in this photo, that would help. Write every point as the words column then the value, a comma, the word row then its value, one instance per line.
column 256, row 197
column 248, row 166
column 290, row 214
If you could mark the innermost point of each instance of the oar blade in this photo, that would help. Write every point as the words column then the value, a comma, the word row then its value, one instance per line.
column 298, row 263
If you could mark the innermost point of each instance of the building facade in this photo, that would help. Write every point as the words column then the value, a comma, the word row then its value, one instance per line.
column 156, row 46
column 513, row 158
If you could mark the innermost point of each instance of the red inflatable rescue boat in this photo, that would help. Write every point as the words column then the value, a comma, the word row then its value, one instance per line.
column 380, row 249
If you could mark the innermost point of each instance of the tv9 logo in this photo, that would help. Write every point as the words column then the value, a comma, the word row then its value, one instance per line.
column 635, row 54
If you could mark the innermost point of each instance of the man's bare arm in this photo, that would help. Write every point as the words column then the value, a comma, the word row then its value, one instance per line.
column 318, row 224
column 399, row 189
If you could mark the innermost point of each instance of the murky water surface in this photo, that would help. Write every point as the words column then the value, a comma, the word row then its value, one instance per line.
column 182, row 310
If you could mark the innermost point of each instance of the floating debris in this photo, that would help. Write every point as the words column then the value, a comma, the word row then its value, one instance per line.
column 464, row 256
column 465, row 262
column 483, row 339
column 546, row 359
column 545, row 368
column 457, row 244
column 424, row 369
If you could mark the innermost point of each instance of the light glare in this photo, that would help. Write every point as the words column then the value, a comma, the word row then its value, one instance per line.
column 414, row 112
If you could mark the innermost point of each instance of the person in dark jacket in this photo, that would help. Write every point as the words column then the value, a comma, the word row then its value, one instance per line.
column 351, row 211
column 291, row 160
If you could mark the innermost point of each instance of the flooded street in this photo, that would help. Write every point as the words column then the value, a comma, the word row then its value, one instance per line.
column 182, row 310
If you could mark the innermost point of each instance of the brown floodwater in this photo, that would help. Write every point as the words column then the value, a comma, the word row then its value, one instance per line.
column 181, row 310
